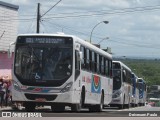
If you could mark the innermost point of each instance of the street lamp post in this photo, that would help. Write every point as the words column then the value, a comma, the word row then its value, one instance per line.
column 106, row 22
column 106, row 38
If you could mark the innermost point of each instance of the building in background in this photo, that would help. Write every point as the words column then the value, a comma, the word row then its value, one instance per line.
column 8, row 33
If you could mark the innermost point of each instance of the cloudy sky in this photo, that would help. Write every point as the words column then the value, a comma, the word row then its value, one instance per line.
column 133, row 28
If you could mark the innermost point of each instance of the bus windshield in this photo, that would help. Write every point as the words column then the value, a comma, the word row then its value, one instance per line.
column 141, row 89
column 116, row 79
column 43, row 62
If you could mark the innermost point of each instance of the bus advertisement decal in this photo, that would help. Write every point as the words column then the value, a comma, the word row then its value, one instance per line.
column 96, row 84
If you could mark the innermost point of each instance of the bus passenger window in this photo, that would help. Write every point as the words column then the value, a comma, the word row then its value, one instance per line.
column 124, row 75
column 110, row 69
column 107, row 68
column 87, row 60
column 97, row 63
column 77, row 64
column 93, row 62
column 102, row 66
column 83, row 62
column 90, row 60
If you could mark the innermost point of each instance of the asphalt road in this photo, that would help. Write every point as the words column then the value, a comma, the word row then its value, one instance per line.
column 145, row 111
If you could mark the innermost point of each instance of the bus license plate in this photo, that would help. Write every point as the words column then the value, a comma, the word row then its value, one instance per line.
column 40, row 99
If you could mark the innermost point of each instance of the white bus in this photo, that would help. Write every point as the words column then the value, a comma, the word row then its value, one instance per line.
column 61, row 70
column 142, row 91
column 122, row 85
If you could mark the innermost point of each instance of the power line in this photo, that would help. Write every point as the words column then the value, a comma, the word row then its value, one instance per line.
column 129, row 40
column 39, row 17
column 95, row 13
column 129, row 10
column 136, row 45
column 31, row 23
column 43, row 26
column 70, row 29
column 23, row 19
column 133, row 8
column 51, row 8
column 148, row 45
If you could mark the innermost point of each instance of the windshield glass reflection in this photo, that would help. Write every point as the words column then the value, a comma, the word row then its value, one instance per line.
column 43, row 63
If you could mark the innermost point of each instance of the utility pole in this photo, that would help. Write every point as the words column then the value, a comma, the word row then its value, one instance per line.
column 38, row 17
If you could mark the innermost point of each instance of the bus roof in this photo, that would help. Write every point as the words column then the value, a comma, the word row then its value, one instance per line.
column 81, row 41
column 122, row 64
column 141, row 80
column 41, row 34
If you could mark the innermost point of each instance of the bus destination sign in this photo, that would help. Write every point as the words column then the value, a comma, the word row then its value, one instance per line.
column 45, row 40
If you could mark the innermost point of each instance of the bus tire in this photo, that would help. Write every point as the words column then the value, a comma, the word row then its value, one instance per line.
column 83, row 96
column 30, row 107
column 57, row 108
column 137, row 105
column 99, row 107
column 92, row 108
column 77, row 107
column 128, row 105
column 121, row 106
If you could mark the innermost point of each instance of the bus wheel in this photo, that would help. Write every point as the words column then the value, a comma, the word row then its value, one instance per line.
column 121, row 106
column 77, row 107
column 128, row 105
column 29, row 107
column 99, row 107
column 92, row 108
column 57, row 108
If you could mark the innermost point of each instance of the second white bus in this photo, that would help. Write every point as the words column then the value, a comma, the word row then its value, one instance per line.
column 122, row 85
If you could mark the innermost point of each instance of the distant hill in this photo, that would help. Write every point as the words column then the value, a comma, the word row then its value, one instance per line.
column 149, row 70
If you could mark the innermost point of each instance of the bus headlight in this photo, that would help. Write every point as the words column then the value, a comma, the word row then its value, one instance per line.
column 67, row 87
column 117, row 94
column 16, row 86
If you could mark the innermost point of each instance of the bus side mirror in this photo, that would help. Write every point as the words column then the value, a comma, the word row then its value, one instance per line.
column 9, row 50
column 80, row 55
column 9, row 53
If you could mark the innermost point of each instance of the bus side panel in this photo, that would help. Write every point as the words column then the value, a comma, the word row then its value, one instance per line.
column 108, row 91
column 92, row 94
column 76, row 91
column 93, row 87
column 137, row 96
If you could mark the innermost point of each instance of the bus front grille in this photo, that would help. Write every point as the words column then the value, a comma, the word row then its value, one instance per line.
column 40, row 96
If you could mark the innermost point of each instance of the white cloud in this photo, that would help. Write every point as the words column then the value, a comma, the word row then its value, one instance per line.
column 118, row 3
column 139, row 26
column 18, row 1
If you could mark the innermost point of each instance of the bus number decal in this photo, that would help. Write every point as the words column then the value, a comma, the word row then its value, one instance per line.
column 86, row 79
column 96, row 84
